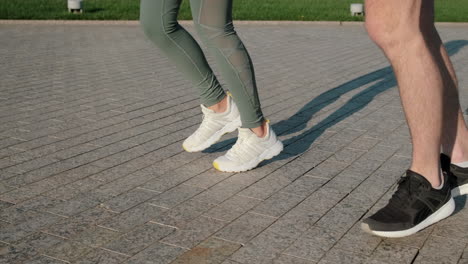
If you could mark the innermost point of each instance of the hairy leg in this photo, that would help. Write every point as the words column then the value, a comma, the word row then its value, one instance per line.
column 455, row 132
column 399, row 28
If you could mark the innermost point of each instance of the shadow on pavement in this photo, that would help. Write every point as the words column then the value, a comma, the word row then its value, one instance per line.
column 298, row 144
column 460, row 203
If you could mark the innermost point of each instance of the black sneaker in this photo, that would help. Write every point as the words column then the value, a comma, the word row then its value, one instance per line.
column 415, row 205
column 458, row 176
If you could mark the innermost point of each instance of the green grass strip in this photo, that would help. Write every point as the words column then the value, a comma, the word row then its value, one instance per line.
column 297, row 10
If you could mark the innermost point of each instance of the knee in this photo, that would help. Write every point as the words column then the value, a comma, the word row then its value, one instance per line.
column 383, row 32
column 211, row 35
column 157, row 31
column 203, row 32
column 392, row 31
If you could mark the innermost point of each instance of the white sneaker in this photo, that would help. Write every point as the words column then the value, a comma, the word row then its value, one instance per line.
column 249, row 151
column 213, row 127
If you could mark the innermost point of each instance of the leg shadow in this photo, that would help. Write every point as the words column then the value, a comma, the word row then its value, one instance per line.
column 383, row 80
column 460, row 203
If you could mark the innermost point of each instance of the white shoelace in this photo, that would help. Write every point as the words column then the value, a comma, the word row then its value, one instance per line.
column 240, row 150
column 207, row 124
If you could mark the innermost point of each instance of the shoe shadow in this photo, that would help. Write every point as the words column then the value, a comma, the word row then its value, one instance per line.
column 379, row 81
column 460, row 203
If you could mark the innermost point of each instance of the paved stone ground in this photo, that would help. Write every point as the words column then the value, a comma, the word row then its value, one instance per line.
column 92, row 171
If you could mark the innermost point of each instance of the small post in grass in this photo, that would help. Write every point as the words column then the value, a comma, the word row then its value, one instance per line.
column 74, row 6
column 357, row 9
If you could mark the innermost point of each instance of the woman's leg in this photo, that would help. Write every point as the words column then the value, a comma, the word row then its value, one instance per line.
column 159, row 22
column 213, row 20
column 256, row 141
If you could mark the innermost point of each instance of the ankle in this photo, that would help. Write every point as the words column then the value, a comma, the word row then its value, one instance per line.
column 457, row 149
column 221, row 106
column 459, row 155
column 433, row 176
column 260, row 131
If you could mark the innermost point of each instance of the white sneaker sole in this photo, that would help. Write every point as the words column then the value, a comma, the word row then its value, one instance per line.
column 228, row 128
column 438, row 215
column 460, row 190
column 266, row 155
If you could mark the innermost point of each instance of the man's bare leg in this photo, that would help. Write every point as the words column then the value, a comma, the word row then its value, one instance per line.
column 405, row 31
column 397, row 28
column 455, row 132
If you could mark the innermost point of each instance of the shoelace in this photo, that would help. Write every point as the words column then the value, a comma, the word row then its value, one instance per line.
column 407, row 189
column 207, row 123
column 237, row 151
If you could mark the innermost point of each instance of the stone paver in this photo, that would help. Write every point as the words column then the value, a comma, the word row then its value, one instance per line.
column 92, row 171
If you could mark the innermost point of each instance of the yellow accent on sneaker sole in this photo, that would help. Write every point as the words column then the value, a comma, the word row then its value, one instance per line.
column 216, row 165
column 185, row 148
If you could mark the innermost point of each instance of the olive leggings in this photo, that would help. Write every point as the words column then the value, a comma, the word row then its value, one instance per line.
column 213, row 22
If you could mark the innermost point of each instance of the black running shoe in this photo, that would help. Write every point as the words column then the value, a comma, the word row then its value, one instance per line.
column 458, row 176
column 415, row 205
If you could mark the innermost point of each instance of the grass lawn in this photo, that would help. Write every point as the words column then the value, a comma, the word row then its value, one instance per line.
column 335, row 10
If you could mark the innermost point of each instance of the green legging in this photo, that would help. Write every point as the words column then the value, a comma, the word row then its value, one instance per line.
column 213, row 22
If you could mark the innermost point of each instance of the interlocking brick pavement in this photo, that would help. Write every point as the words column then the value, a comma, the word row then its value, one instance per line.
column 92, row 117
